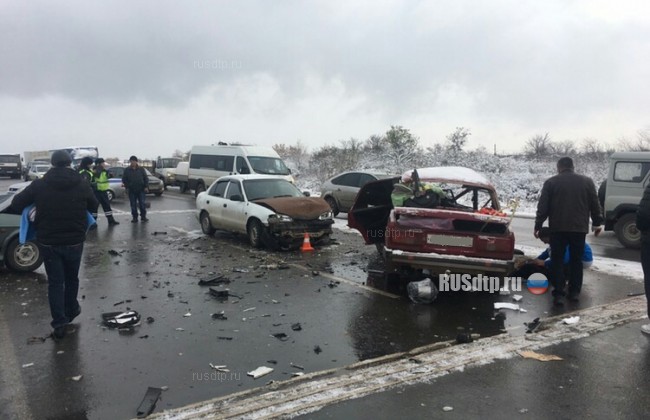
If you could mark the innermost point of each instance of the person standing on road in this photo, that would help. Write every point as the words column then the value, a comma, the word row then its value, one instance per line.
column 88, row 175
column 567, row 200
column 643, row 224
column 136, row 182
column 101, row 179
column 62, row 200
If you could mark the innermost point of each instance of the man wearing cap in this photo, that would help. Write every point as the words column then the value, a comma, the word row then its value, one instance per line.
column 101, row 180
column 62, row 199
column 136, row 182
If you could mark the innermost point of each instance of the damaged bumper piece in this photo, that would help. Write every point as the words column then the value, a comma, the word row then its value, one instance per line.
column 295, row 230
column 439, row 263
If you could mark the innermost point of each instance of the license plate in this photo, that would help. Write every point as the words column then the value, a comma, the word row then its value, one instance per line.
column 447, row 240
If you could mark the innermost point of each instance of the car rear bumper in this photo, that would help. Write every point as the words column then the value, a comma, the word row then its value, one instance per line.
column 439, row 263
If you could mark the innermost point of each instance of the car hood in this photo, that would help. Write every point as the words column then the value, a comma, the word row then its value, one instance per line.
column 299, row 208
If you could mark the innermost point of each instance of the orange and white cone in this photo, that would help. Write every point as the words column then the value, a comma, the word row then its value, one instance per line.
column 306, row 244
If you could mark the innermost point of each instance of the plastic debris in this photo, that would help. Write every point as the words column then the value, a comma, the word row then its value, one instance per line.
column 121, row 319
column 26, row 365
column 150, row 319
column 296, row 326
column 297, row 374
column 296, row 366
column 317, row 349
column 214, row 281
column 571, row 320
column 219, row 316
column 180, row 329
column 506, row 305
column 447, row 408
column 187, row 315
column 224, row 338
column 259, row 372
column 423, row 291
column 149, row 401
column 219, row 368
column 517, row 298
column 532, row 326
column 249, row 309
column 280, row 336
column 528, row 354
column 159, row 233
column 76, row 378
column 240, row 270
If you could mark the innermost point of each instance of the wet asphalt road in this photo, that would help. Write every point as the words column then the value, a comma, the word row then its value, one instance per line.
column 156, row 274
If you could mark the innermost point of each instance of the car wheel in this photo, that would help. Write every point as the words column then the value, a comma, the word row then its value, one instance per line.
column 23, row 257
column 332, row 202
column 206, row 224
column 199, row 189
column 158, row 194
column 255, row 232
column 110, row 194
column 626, row 231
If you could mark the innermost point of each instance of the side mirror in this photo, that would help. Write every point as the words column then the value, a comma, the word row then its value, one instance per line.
column 306, row 193
column 236, row 197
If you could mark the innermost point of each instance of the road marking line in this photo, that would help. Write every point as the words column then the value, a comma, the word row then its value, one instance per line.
column 305, row 394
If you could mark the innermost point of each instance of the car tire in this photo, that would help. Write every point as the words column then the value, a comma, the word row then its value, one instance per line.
column 255, row 232
column 199, row 189
column 206, row 224
column 626, row 231
column 110, row 194
column 23, row 257
column 332, row 202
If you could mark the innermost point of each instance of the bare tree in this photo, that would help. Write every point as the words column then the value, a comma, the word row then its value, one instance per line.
column 538, row 146
column 375, row 143
column 563, row 148
column 457, row 140
column 401, row 148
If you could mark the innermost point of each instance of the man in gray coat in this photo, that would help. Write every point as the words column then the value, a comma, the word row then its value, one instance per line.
column 567, row 200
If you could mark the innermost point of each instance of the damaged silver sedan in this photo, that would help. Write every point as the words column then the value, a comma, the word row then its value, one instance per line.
column 270, row 210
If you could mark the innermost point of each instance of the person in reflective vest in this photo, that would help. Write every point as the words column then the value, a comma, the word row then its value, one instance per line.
column 101, row 180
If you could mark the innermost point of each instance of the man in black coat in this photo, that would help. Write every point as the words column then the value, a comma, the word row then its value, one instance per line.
column 643, row 224
column 136, row 182
column 567, row 200
column 62, row 200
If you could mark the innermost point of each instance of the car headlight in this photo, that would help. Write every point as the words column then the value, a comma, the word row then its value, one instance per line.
column 279, row 218
column 325, row 216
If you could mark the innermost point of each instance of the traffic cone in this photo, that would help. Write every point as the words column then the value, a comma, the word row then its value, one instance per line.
column 306, row 244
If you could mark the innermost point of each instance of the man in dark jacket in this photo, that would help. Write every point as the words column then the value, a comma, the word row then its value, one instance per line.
column 136, row 182
column 643, row 224
column 567, row 200
column 62, row 199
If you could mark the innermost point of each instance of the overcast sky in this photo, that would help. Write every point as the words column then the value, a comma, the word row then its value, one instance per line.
column 150, row 77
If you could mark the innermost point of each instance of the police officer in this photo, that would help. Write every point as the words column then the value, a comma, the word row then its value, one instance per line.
column 101, row 180
column 88, row 175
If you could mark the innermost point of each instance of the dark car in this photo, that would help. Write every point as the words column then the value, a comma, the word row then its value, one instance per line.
column 156, row 186
column 341, row 190
column 461, row 228
column 17, row 257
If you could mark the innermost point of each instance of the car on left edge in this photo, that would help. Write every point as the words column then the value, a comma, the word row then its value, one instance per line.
column 17, row 257
column 270, row 210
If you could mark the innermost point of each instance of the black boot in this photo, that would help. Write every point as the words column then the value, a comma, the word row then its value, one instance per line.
column 112, row 221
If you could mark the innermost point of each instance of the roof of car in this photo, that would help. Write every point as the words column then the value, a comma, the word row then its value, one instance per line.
column 255, row 176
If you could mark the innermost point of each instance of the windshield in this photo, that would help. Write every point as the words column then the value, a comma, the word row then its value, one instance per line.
column 169, row 162
column 257, row 189
column 41, row 168
column 9, row 159
column 268, row 165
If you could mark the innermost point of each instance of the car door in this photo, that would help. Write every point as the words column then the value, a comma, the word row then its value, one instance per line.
column 346, row 189
column 234, row 208
column 214, row 203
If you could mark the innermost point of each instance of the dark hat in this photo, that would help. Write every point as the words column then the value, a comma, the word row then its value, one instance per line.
column 87, row 161
column 99, row 160
column 61, row 158
column 133, row 158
